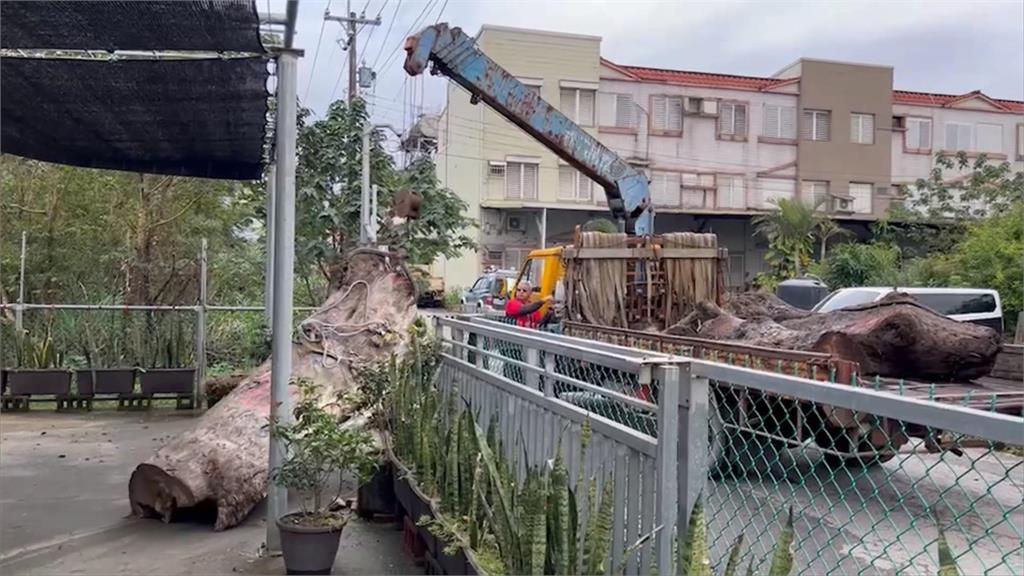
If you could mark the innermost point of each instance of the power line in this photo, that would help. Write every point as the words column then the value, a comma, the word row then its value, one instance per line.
column 415, row 22
column 387, row 35
column 443, row 6
column 316, row 54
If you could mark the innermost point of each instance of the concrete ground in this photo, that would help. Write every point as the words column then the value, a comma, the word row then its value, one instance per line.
column 64, row 507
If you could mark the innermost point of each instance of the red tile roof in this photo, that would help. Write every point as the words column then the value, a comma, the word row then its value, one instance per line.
column 945, row 100
column 710, row 80
column 760, row 83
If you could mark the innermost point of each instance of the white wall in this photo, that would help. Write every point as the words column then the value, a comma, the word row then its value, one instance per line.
column 699, row 149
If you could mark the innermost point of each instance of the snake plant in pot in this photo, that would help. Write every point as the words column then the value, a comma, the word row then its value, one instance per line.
column 320, row 450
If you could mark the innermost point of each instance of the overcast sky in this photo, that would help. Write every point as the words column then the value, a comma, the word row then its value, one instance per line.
column 936, row 46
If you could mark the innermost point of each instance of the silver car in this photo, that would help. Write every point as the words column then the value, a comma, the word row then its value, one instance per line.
column 489, row 292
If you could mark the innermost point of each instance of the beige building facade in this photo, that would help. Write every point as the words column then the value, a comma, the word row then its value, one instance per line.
column 717, row 148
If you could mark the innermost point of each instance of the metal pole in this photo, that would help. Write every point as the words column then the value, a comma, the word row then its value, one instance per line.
column 372, row 216
column 200, row 385
column 364, row 208
column 543, row 228
column 352, row 60
column 19, row 313
column 284, row 260
column 268, row 278
column 692, row 459
column 666, row 463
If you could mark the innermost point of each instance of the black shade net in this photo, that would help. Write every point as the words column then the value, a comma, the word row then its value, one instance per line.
column 202, row 118
column 197, row 25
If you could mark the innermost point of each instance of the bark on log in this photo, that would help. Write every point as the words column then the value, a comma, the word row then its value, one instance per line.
column 894, row 337
column 224, row 458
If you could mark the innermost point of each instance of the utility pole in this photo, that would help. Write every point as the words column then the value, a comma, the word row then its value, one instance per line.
column 350, row 44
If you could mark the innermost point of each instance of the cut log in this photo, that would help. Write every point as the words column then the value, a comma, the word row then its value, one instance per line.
column 224, row 459
column 894, row 337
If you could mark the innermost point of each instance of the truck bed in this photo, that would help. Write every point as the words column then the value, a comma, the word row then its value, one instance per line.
column 1001, row 391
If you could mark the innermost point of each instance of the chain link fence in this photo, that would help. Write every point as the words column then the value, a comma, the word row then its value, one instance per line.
column 871, row 469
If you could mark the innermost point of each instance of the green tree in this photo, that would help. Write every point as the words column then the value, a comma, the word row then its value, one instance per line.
column 790, row 231
column 600, row 225
column 328, row 180
column 959, row 188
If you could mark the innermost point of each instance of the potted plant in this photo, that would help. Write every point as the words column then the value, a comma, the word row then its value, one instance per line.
column 320, row 451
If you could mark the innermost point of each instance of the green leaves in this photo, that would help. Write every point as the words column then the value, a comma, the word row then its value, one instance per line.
column 782, row 558
column 947, row 563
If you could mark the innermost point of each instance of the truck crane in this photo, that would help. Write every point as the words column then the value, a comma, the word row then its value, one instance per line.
column 454, row 54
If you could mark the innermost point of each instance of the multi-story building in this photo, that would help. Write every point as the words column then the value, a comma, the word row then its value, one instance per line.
column 718, row 148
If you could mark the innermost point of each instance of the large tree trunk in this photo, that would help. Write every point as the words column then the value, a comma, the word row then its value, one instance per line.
column 224, row 459
column 894, row 337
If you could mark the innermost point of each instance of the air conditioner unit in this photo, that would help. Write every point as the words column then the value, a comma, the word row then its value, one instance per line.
column 710, row 108
column 694, row 105
column 515, row 222
column 843, row 205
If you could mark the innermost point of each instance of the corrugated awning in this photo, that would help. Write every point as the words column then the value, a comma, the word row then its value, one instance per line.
column 203, row 117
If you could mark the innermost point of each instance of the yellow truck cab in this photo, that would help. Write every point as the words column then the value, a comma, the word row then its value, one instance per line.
column 543, row 269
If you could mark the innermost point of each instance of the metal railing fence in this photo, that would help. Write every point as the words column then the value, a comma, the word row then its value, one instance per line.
column 857, row 508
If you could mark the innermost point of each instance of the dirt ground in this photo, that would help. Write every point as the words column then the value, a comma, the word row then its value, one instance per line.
column 64, row 507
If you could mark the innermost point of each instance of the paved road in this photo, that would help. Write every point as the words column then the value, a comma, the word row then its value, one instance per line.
column 879, row 520
column 64, row 506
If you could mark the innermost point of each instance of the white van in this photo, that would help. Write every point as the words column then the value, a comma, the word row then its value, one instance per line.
column 976, row 305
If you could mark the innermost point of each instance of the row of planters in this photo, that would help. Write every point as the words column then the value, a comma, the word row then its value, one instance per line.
column 80, row 387
column 452, row 480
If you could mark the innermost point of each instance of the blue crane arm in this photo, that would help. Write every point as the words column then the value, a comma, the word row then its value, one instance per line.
column 455, row 54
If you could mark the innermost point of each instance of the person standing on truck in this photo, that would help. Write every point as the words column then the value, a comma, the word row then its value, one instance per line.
column 527, row 314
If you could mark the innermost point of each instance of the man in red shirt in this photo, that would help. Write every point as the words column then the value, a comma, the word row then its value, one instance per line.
column 526, row 313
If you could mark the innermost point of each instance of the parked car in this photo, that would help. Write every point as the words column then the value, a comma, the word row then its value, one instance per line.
column 489, row 292
column 976, row 305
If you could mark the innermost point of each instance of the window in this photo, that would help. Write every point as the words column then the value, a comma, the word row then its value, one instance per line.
column 816, row 125
column 665, row 188
column 521, row 180
column 496, row 169
column 862, row 128
column 1020, row 141
column 694, row 105
column 732, row 119
column 918, row 135
column 990, row 138
column 861, row 194
column 958, row 303
column 770, row 190
column 572, row 185
column 815, row 193
column 731, row 193
column 617, row 110
column 667, row 113
column 578, row 105
column 698, row 190
column 780, row 121
column 532, row 84
column 958, row 136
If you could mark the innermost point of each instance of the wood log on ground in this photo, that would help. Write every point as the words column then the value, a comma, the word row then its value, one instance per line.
column 224, row 459
column 894, row 337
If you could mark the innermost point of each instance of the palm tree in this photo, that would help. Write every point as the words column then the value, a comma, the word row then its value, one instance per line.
column 789, row 230
column 829, row 228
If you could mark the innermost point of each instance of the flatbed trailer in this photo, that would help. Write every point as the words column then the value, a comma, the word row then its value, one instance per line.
column 840, row 433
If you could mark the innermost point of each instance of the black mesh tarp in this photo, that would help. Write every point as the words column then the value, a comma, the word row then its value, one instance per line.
column 188, row 117
column 214, row 25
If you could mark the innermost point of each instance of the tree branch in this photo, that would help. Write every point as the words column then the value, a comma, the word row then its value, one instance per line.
column 178, row 215
column 25, row 208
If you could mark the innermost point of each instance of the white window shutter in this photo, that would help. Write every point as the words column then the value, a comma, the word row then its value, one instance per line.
column 690, row 179
column 807, row 125
column 530, row 173
column 772, row 124
column 823, row 127
column 990, row 138
column 584, row 187
column 607, row 109
column 567, row 103
column 725, row 119
column 625, row 111
column 585, row 114
column 925, row 134
column 514, row 180
column 675, row 114
column 787, row 122
column 659, row 114
column 740, row 119
column 566, row 183
column 861, row 194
